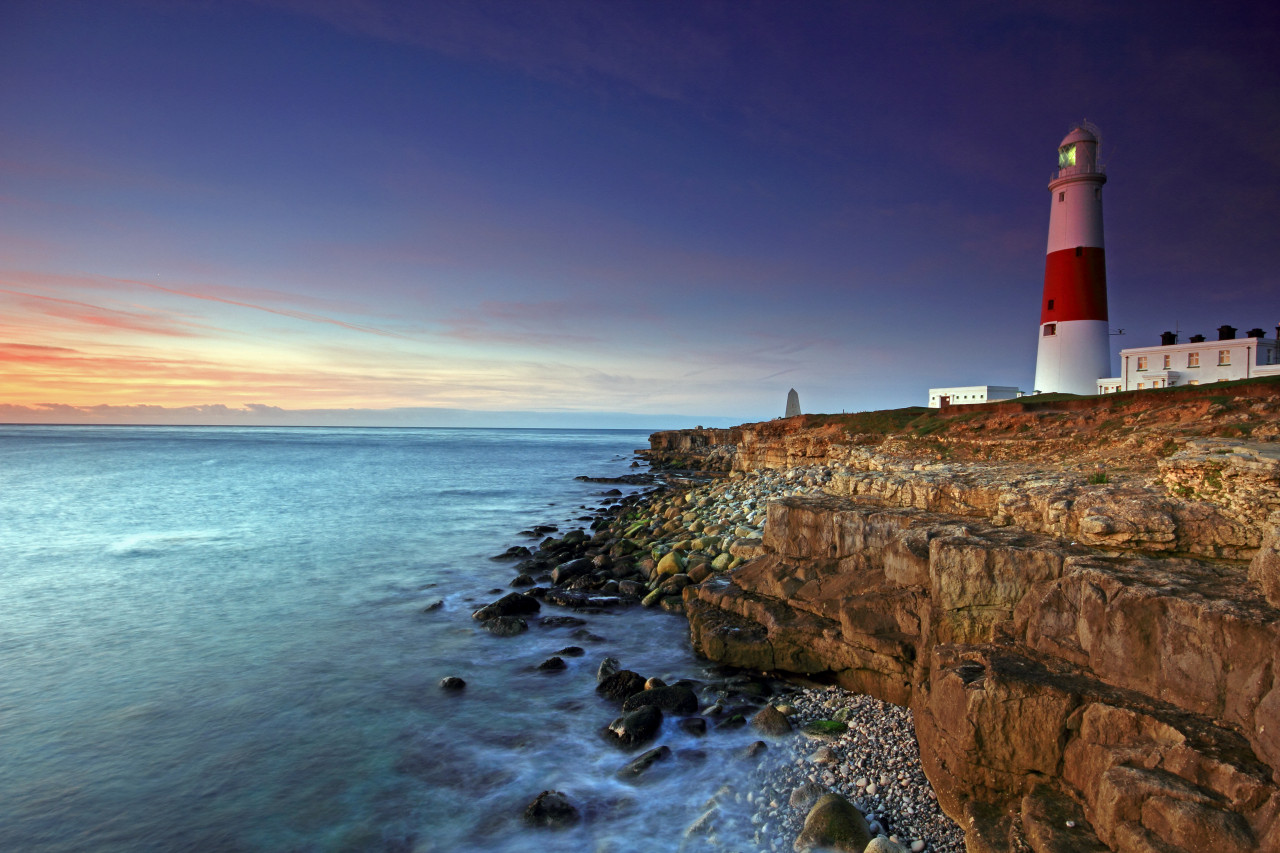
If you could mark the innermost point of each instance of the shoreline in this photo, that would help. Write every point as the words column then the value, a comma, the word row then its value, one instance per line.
column 646, row 548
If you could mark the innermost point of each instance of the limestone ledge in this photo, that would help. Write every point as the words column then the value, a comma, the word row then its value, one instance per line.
column 1051, row 682
column 1207, row 500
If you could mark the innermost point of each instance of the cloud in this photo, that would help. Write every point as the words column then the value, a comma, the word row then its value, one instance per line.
column 254, row 414
column 99, row 316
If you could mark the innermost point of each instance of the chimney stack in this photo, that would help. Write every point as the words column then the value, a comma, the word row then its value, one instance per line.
column 1226, row 333
column 1168, row 339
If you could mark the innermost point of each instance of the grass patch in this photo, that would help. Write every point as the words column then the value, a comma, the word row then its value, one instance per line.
column 1098, row 479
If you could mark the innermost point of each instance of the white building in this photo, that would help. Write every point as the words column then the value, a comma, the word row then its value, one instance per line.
column 1196, row 362
column 962, row 395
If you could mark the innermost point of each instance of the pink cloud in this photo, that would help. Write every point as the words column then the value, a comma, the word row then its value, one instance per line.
column 96, row 315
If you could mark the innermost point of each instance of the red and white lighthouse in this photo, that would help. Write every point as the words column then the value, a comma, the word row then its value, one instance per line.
column 1075, row 347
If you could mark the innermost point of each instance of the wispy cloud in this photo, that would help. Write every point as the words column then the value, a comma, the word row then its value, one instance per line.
column 102, row 317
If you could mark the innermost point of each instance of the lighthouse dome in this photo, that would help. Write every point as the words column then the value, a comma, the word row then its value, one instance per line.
column 1078, row 135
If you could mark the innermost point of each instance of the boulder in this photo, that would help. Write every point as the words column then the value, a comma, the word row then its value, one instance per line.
column 608, row 666
column 621, row 685
column 639, row 766
column 512, row 604
column 804, row 796
column 770, row 721
column 551, row 809
column 636, row 727
column 505, row 626
column 696, row 726
column 552, row 664
column 452, row 682
column 675, row 699
column 671, row 563
column 566, row 572
column 834, row 824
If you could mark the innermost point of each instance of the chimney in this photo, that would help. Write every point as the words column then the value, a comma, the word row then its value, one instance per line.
column 1196, row 339
column 1226, row 333
column 1257, row 333
column 1168, row 339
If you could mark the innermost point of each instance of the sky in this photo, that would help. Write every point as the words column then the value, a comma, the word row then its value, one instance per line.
column 562, row 213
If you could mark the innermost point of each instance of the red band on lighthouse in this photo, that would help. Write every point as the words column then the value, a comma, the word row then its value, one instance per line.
column 1075, row 285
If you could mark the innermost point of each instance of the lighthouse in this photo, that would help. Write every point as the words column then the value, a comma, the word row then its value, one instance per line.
column 1075, row 350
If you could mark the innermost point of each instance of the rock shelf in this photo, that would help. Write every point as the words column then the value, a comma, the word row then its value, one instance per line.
column 1090, row 659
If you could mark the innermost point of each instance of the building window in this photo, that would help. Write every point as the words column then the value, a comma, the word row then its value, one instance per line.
column 1142, row 362
column 1224, row 357
column 1193, row 359
column 1142, row 385
column 1062, row 196
column 1194, row 382
column 1166, row 361
column 1050, row 329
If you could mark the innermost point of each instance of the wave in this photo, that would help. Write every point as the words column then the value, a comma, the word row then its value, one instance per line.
column 151, row 544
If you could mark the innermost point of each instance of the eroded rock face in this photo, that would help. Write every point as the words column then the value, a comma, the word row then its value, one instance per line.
column 1135, row 697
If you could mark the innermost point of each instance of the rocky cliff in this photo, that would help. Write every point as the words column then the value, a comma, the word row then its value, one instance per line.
column 1090, row 654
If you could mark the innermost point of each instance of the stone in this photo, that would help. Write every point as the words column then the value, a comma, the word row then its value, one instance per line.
column 551, row 809
column 522, row 580
column 636, row 727
column 452, row 682
column 825, row 755
column 572, row 652
column 553, row 664
column 755, row 749
column 833, row 824
column 676, row 699
column 696, row 726
column 824, row 730
column 672, row 563
column 621, row 685
column 608, row 666
column 770, row 721
column 570, row 570
column 639, row 766
column 512, row 604
column 505, row 626
column 702, row 571
column 882, row 844
column 805, row 795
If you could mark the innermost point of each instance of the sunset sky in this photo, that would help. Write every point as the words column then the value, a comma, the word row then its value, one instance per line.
column 608, row 213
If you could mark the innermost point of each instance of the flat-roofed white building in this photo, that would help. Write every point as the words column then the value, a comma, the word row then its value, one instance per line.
column 968, row 394
column 1196, row 362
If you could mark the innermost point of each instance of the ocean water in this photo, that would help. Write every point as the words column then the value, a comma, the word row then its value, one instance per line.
column 216, row 639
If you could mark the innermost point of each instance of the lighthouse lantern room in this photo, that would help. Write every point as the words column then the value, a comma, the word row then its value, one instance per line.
column 1074, row 350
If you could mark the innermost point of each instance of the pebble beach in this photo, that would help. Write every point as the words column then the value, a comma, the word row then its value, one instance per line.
column 814, row 740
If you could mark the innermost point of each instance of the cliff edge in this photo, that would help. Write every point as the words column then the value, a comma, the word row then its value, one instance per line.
column 1077, row 598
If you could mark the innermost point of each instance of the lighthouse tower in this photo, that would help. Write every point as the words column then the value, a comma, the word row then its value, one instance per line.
column 1075, row 350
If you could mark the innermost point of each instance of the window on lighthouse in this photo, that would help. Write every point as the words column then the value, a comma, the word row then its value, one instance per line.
column 1050, row 329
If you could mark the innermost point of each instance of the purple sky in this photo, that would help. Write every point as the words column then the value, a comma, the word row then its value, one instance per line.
column 576, row 208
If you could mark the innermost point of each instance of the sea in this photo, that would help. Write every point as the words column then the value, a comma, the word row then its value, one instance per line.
column 224, row 639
